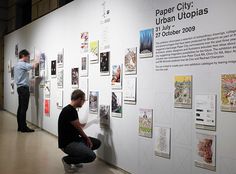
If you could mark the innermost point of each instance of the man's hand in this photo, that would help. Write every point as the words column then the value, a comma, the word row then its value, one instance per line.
column 89, row 143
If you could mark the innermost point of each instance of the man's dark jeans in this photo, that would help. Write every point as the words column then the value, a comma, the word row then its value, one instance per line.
column 23, row 99
column 79, row 152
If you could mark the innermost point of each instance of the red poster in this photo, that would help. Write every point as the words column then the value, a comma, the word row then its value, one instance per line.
column 47, row 107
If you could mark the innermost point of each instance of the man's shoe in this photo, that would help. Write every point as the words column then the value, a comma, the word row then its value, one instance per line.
column 77, row 166
column 68, row 167
column 27, row 130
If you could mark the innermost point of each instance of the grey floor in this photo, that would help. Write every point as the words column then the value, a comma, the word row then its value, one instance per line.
column 36, row 153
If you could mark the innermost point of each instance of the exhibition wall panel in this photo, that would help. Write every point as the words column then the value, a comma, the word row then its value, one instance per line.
column 177, row 116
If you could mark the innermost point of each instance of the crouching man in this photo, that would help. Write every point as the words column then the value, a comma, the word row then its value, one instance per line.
column 72, row 140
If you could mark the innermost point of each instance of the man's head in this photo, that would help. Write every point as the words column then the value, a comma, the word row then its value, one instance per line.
column 78, row 98
column 24, row 55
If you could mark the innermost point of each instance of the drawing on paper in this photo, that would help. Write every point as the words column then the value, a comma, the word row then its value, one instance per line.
column 53, row 68
column 228, row 92
column 131, row 61
column 146, row 43
column 75, row 77
column 84, row 42
column 60, row 58
column 130, row 90
column 42, row 61
column 94, row 51
column 105, row 63
column 93, row 102
column 47, row 89
column 145, row 122
column 205, row 151
column 84, row 66
column 183, row 92
column 116, row 103
column 60, row 78
column 205, row 112
column 162, row 147
column 59, row 100
column 104, row 115
column 116, row 81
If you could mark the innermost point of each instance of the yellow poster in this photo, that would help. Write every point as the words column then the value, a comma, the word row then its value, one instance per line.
column 183, row 92
column 228, row 92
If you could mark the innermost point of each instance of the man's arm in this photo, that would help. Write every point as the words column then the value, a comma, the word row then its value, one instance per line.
column 79, row 126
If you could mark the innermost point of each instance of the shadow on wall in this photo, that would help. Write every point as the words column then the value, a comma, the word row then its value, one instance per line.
column 107, row 149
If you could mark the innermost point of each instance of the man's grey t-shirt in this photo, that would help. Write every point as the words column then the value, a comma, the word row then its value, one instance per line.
column 21, row 73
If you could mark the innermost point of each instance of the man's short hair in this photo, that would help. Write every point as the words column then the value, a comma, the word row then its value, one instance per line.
column 76, row 94
column 23, row 53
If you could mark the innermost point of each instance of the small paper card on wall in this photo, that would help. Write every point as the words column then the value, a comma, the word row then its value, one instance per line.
column 130, row 62
column 183, row 92
column 145, row 122
column 59, row 102
column 84, row 66
column 205, row 151
column 75, row 77
column 104, row 112
column 146, row 43
column 162, row 142
column 116, row 104
column 228, row 92
column 93, row 102
column 47, row 107
column 116, row 81
column 205, row 112
column 130, row 87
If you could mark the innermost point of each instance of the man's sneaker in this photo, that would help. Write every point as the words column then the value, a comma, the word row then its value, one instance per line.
column 68, row 168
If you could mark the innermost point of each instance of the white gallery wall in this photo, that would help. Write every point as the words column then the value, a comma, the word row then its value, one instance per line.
column 122, row 146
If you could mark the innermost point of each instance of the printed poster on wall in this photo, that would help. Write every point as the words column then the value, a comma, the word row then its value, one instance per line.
column 59, row 99
column 183, row 92
column 116, row 81
column 146, row 43
column 228, row 92
column 12, row 86
column 16, row 50
column 93, row 102
column 75, row 77
column 130, row 61
column 105, row 63
column 205, row 151
column 162, row 144
column 60, row 75
column 104, row 112
column 84, row 42
column 94, row 52
column 84, row 86
column 205, row 112
column 53, row 68
column 84, row 66
column 130, row 87
column 47, row 107
column 47, row 89
column 60, row 58
column 116, row 104
column 145, row 122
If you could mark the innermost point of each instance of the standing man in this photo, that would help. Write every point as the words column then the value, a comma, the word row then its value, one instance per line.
column 22, row 81
column 72, row 139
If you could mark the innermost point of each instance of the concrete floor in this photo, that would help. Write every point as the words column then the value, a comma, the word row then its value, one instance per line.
column 36, row 153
